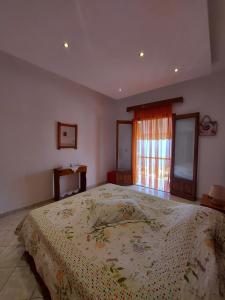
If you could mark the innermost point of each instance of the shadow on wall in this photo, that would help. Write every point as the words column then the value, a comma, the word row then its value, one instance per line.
column 69, row 183
column 39, row 186
column 97, row 149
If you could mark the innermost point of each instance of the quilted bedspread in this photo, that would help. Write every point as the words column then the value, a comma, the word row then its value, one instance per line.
column 177, row 252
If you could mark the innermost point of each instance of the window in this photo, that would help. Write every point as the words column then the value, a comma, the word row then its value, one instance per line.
column 152, row 152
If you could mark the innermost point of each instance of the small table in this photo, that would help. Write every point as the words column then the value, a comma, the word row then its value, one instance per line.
column 82, row 170
column 207, row 201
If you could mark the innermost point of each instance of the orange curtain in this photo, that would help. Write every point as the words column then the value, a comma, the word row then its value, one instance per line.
column 151, row 148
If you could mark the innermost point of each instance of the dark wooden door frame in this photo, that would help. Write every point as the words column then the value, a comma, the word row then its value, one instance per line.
column 195, row 169
column 119, row 122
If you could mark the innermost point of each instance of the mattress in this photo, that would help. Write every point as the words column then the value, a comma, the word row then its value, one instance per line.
column 176, row 252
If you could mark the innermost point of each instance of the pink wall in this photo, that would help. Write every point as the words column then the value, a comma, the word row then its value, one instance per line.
column 207, row 96
column 31, row 102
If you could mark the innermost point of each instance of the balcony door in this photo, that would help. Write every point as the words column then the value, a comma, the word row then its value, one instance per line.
column 124, row 145
column 185, row 156
column 152, row 140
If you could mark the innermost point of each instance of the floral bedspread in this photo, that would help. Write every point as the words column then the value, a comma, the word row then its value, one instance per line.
column 178, row 252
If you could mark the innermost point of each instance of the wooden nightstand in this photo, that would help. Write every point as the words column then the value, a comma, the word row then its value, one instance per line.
column 120, row 177
column 207, row 201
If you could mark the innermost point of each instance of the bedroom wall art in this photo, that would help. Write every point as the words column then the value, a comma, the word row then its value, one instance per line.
column 67, row 136
column 207, row 126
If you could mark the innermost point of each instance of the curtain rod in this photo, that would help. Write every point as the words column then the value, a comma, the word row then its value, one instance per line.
column 156, row 103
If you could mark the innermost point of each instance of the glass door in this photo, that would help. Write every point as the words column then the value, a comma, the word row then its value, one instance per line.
column 185, row 156
column 124, row 145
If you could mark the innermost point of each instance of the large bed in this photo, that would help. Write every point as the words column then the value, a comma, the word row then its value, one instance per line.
column 115, row 243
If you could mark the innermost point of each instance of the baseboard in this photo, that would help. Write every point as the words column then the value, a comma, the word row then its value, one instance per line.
column 96, row 185
column 35, row 205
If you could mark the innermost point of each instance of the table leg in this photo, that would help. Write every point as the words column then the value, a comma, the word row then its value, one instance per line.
column 56, row 187
column 83, row 182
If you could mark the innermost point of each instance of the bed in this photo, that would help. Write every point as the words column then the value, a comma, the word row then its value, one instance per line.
column 114, row 243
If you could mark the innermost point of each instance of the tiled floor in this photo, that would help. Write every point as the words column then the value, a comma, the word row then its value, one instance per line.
column 166, row 196
column 16, row 280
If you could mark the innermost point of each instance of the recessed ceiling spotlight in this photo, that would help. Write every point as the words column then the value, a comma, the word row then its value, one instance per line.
column 120, row 90
column 176, row 70
column 66, row 45
column 141, row 54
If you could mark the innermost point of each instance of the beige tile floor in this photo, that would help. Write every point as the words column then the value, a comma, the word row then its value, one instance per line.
column 16, row 280
column 166, row 196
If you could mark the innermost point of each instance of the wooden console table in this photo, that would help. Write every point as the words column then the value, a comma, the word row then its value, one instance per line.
column 82, row 170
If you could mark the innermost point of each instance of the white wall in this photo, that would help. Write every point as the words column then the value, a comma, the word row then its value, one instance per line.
column 31, row 102
column 207, row 96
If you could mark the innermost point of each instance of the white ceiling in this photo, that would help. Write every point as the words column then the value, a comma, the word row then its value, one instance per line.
column 105, row 37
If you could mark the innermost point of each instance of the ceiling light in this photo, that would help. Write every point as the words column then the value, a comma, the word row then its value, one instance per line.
column 176, row 70
column 141, row 54
column 120, row 90
column 66, row 45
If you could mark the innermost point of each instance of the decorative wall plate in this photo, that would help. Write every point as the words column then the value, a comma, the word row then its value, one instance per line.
column 207, row 126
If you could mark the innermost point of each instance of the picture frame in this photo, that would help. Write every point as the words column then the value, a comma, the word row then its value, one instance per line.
column 66, row 136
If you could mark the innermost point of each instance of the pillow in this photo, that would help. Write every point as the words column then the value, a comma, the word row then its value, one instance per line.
column 115, row 211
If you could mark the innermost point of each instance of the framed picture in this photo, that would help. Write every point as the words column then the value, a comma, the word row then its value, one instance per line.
column 207, row 126
column 67, row 136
